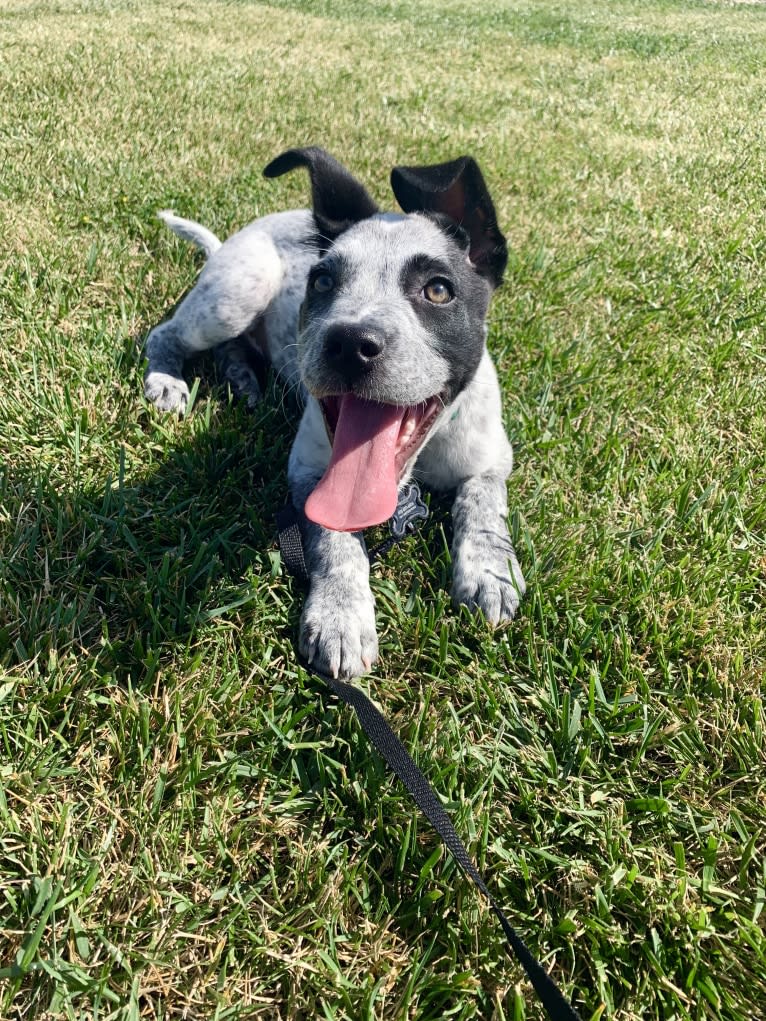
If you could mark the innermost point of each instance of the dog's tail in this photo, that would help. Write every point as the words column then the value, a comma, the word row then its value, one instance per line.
column 191, row 231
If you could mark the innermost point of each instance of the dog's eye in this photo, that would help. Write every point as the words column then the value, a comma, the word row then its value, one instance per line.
column 323, row 283
column 438, row 291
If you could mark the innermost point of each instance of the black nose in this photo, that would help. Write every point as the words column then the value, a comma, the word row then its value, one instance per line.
column 353, row 350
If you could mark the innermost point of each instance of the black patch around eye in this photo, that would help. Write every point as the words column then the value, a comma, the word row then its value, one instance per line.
column 421, row 270
column 454, row 329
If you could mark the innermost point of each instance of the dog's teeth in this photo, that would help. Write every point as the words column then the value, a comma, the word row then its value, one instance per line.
column 408, row 429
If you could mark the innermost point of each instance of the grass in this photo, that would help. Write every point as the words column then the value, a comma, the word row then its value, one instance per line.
column 190, row 826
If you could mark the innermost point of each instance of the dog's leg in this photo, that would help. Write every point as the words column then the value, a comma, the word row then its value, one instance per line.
column 235, row 363
column 337, row 629
column 164, row 384
column 236, row 286
column 486, row 574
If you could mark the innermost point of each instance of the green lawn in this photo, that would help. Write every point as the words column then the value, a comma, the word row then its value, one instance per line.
column 190, row 826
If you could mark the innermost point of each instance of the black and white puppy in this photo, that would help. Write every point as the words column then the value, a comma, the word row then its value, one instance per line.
column 389, row 311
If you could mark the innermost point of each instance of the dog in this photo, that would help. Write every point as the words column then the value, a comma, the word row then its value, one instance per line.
column 381, row 320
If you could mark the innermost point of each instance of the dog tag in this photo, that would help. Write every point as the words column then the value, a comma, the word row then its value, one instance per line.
column 409, row 509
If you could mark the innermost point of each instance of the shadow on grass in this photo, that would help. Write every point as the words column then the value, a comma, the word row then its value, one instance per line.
column 127, row 569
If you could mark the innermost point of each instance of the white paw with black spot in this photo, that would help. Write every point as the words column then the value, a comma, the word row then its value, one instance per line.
column 166, row 392
column 492, row 584
column 337, row 633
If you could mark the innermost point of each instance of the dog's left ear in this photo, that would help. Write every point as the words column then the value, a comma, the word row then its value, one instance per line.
column 457, row 190
column 339, row 200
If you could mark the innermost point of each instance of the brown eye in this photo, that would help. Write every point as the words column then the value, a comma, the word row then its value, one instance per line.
column 438, row 291
column 323, row 283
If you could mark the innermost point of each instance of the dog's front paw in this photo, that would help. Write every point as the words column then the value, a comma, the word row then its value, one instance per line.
column 166, row 392
column 494, row 585
column 337, row 634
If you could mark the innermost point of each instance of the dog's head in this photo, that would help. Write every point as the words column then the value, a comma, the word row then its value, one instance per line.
column 393, row 324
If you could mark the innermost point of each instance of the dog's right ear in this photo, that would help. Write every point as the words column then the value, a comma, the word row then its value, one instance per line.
column 339, row 200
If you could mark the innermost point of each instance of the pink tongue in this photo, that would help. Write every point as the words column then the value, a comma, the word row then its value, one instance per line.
column 360, row 485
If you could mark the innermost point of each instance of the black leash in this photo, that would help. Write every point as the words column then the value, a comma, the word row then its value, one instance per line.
column 400, row 762
column 411, row 509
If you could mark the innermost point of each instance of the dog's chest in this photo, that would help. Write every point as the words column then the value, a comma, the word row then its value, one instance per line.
column 471, row 439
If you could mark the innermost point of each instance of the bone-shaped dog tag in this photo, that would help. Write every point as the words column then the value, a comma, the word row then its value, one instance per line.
column 409, row 509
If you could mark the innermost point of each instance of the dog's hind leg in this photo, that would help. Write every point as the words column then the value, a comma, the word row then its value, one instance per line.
column 234, row 289
column 237, row 363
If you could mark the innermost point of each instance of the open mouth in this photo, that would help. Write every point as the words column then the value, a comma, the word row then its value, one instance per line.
column 372, row 444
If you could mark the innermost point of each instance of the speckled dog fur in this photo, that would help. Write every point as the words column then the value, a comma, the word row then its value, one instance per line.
column 263, row 283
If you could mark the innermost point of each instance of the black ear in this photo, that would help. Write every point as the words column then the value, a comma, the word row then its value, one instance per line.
column 339, row 200
column 457, row 190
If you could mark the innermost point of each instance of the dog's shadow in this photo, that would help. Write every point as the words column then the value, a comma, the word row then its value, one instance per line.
column 123, row 572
